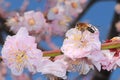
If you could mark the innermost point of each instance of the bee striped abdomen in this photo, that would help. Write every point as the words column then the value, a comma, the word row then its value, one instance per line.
column 90, row 29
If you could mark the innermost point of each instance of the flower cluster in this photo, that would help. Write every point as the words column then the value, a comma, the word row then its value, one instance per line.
column 84, row 49
column 81, row 53
column 20, row 51
column 112, row 56
column 33, row 21
column 63, row 13
column 55, row 22
column 43, row 25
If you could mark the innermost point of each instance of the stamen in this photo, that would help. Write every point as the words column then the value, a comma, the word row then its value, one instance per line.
column 74, row 5
column 31, row 22
column 20, row 57
column 55, row 10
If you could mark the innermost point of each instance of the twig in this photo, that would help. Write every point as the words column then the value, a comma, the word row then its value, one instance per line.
column 106, row 0
column 58, row 52
column 52, row 53
column 104, row 46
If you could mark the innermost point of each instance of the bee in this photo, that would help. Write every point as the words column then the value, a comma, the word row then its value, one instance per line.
column 84, row 26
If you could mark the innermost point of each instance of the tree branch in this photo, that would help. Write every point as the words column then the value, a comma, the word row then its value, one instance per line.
column 106, row 0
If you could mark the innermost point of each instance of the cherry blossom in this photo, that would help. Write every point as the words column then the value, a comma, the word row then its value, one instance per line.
column 20, row 51
column 112, row 60
column 73, row 7
column 58, row 27
column 117, row 25
column 117, row 8
column 15, row 22
column 84, row 50
column 57, row 68
column 112, row 56
column 55, row 12
column 84, row 65
column 34, row 21
column 80, row 44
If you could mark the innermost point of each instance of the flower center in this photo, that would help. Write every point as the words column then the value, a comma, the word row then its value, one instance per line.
column 68, row 19
column 20, row 57
column 84, row 43
column 31, row 22
column 77, row 37
column 14, row 20
column 62, row 23
column 55, row 10
column 74, row 5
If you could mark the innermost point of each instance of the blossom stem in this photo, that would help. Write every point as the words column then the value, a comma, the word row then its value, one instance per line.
column 58, row 52
column 110, row 45
column 52, row 53
column 104, row 46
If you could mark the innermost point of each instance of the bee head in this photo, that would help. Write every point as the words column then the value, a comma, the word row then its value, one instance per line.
column 82, row 26
column 85, row 26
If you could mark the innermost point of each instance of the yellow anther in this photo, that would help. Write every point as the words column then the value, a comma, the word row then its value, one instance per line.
column 31, row 22
column 74, row 5
column 20, row 57
column 55, row 10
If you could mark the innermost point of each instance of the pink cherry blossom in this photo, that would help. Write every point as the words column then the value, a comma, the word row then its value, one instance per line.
column 73, row 7
column 34, row 21
column 20, row 51
column 60, row 24
column 80, row 44
column 58, row 28
column 57, row 68
column 117, row 26
column 112, row 61
column 83, row 48
column 84, row 65
column 117, row 8
column 15, row 22
column 55, row 12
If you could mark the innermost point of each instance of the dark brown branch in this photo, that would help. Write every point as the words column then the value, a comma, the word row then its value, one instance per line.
column 113, row 31
column 106, row 0
column 1, row 28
